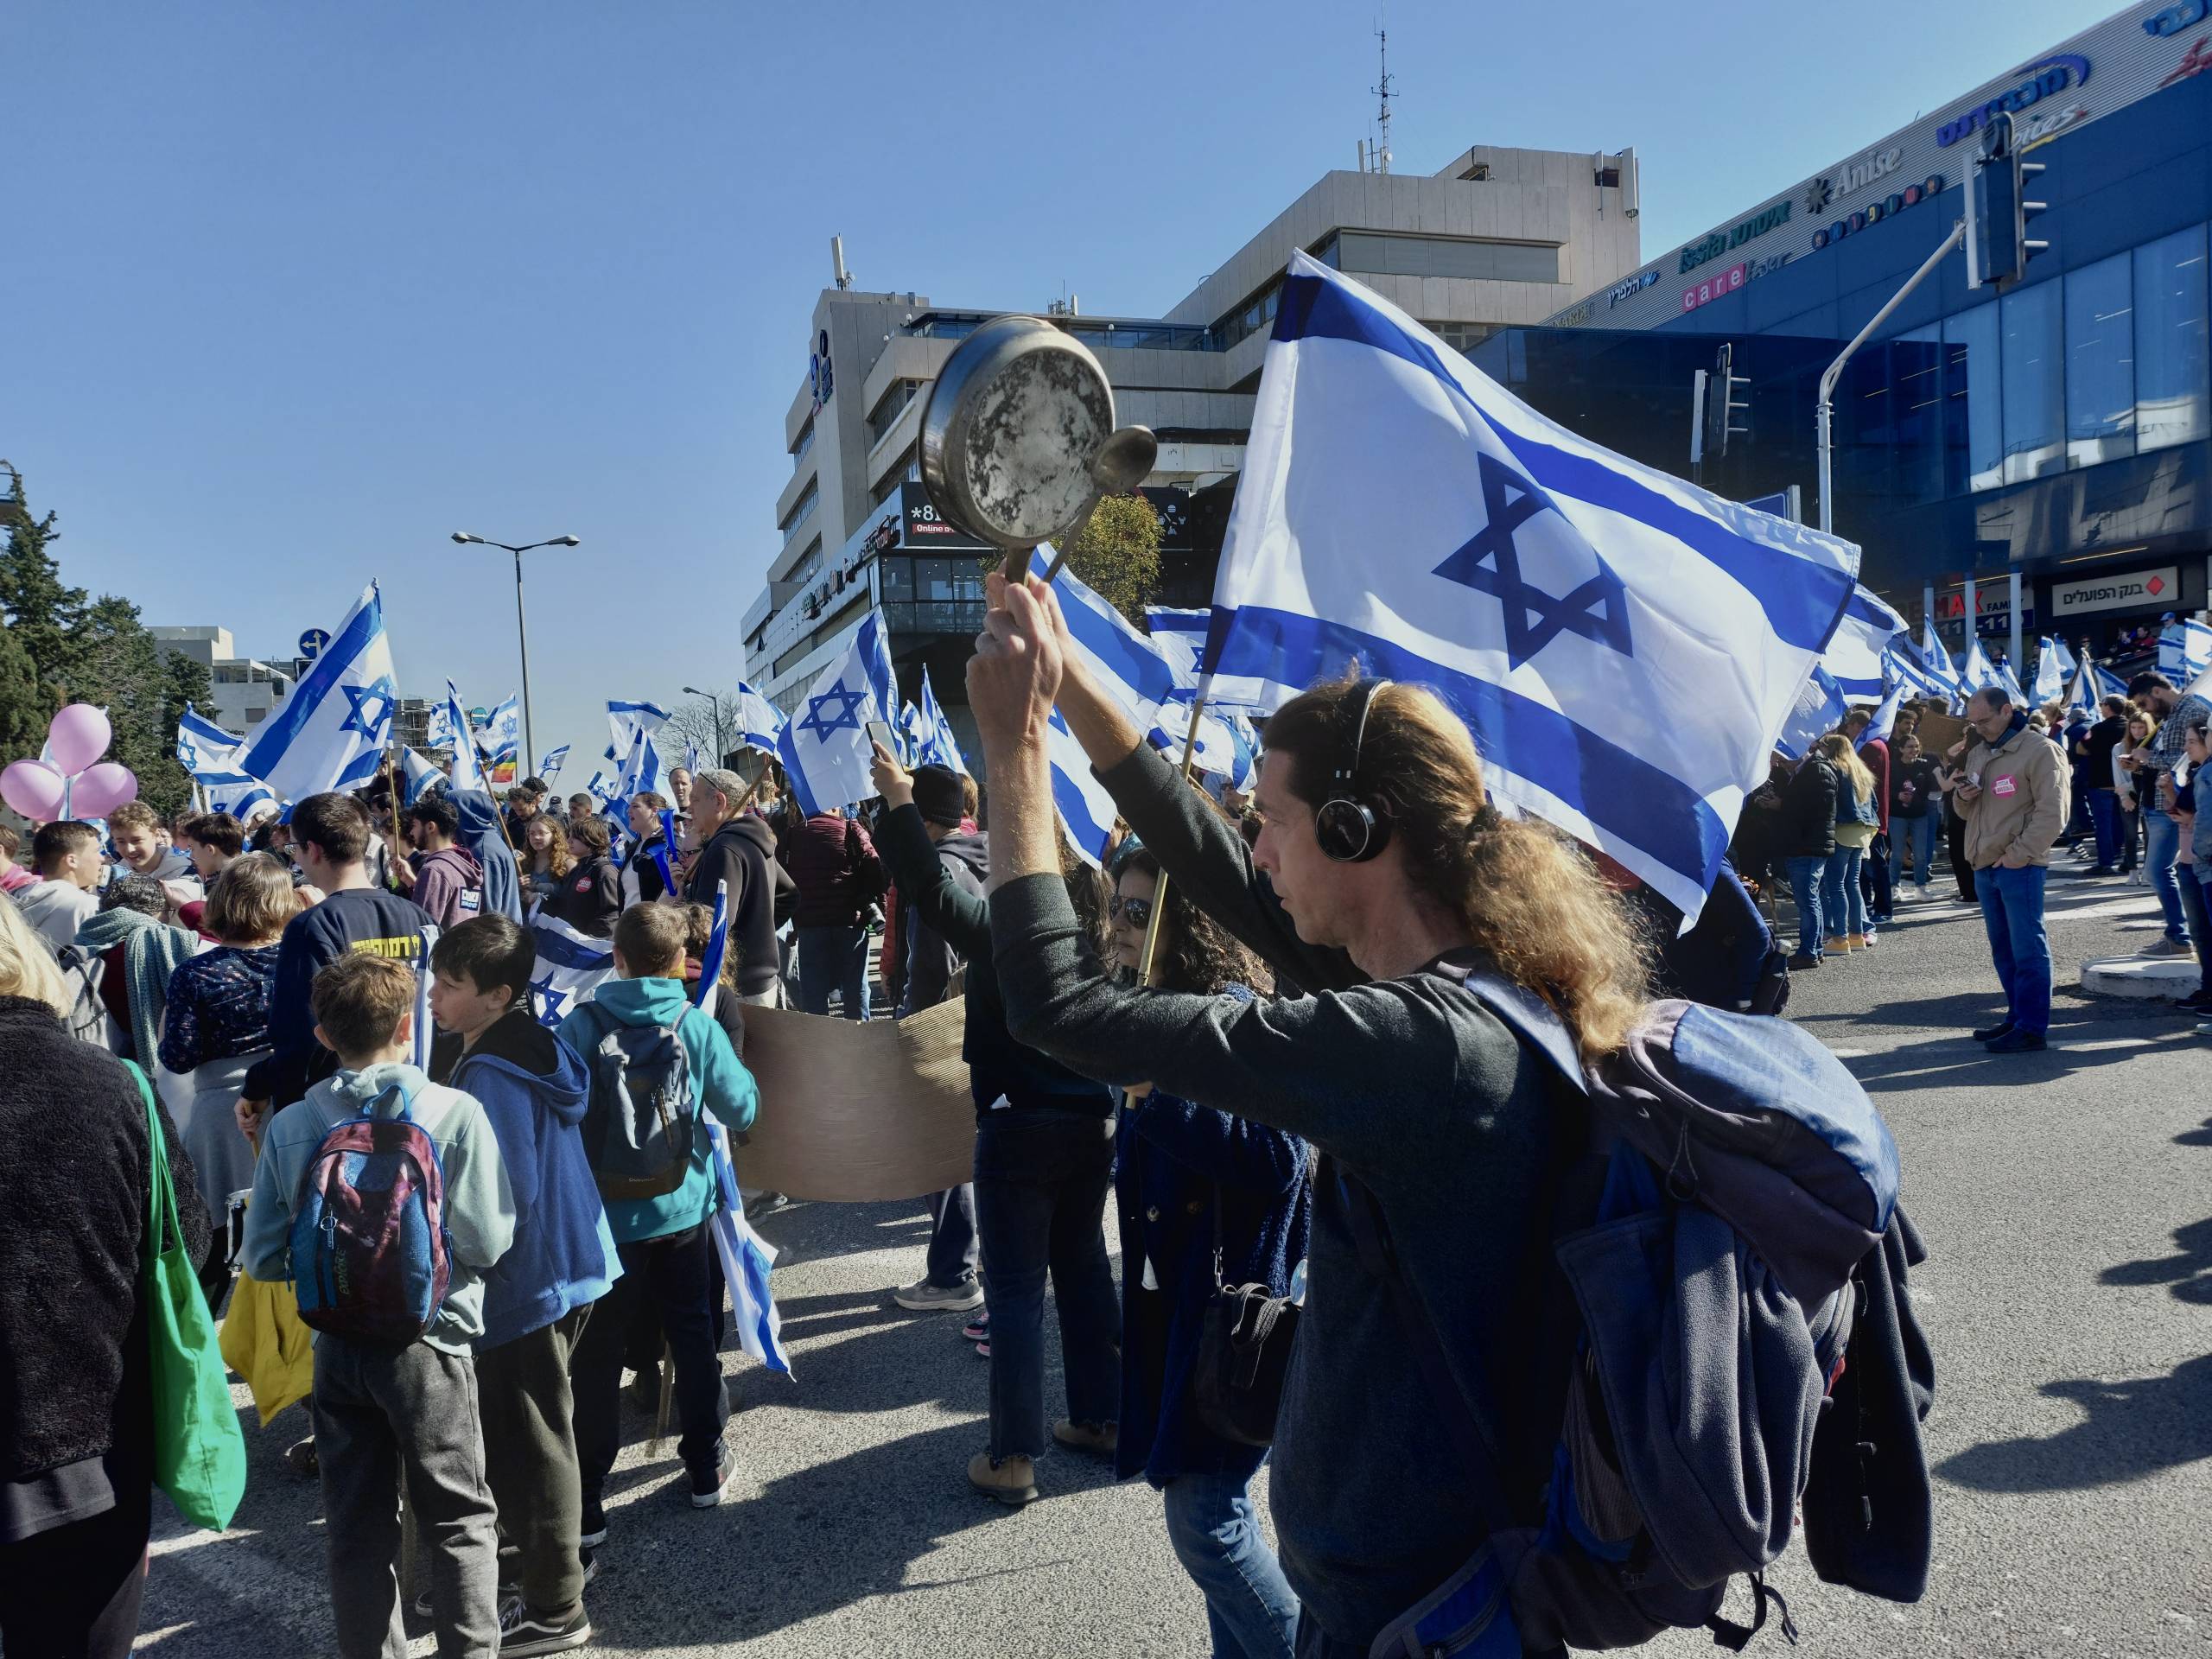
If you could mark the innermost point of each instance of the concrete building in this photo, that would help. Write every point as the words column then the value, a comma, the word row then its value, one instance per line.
column 1498, row 237
column 246, row 688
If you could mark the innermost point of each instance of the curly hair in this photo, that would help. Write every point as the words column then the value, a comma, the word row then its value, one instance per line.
column 1529, row 897
column 1201, row 956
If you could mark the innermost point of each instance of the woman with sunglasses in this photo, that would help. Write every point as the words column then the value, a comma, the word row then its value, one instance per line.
column 1206, row 1199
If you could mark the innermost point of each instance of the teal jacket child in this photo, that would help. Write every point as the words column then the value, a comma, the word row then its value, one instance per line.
column 724, row 1086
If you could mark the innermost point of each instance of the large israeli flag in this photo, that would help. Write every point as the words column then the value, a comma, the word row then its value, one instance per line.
column 759, row 723
column 641, row 770
column 1181, row 636
column 1902, row 666
column 570, row 966
column 330, row 733
column 2184, row 651
column 206, row 750
column 627, row 719
column 825, row 745
column 439, row 732
column 1854, row 659
column 1626, row 646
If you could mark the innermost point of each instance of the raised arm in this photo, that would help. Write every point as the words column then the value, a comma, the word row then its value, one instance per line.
column 1194, row 844
column 961, row 919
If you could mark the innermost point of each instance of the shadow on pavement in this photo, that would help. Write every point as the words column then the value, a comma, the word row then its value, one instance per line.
column 821, row 1539
column 2196, row 1137
column 1963, row 1011
column 2131, row 1428
column 2189, row 1271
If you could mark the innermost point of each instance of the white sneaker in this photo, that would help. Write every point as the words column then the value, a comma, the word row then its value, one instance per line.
column 926, row 1298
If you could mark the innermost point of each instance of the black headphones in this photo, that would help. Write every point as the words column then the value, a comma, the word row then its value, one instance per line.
column 1348, row 829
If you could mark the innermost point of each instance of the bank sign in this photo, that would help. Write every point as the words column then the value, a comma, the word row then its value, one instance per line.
column 2138, row 590
column 2049, row 78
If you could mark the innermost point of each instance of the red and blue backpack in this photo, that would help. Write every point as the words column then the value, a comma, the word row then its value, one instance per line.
column 370, row 1257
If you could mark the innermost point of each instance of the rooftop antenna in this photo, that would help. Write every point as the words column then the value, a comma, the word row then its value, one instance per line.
column 1381, row 151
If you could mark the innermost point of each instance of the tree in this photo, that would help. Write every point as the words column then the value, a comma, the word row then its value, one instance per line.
column 23, row 711
column 1118, row 556
column 693, row 723
column 45, row 616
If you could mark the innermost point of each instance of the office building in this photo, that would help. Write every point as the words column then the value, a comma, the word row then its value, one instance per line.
column 1497, row 239
column 2057, row 432
column 245, row 690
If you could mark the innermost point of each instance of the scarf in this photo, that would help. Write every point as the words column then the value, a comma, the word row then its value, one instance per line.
column 152, row 952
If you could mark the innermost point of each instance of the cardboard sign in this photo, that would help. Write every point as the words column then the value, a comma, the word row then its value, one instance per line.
column 1937, row 733
column 858, row 1112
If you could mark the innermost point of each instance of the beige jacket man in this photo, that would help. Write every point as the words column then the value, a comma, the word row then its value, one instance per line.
column 2014, row 801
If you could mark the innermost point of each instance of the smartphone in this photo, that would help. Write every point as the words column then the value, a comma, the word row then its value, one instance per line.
column 879, row 731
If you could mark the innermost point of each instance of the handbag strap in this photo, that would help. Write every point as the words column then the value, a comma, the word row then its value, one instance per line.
column 160, row 1197
column 1216, row 1236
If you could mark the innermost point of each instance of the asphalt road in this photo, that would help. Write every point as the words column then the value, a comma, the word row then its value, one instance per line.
column 2064, row 1196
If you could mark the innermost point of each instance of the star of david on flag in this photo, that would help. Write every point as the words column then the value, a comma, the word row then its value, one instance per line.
column 1623, row 646
column 824, row 748
column 330, row 733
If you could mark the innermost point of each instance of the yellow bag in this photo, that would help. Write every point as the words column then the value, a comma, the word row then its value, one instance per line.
column 265, row 1342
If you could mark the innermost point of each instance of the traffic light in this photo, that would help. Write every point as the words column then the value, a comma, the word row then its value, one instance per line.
column 1727, row 403
column 1997, row 244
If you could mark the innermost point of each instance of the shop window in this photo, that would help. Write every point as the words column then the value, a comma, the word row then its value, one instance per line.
column 2100, row 362
column 2171, row 363
column 1385, row 255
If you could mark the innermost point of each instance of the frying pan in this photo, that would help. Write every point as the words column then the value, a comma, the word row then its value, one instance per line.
column 1019, row 444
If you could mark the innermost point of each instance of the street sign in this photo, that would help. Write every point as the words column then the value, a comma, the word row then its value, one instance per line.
column 313, row 641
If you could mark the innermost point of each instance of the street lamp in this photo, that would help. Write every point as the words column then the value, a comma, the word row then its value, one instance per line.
column 722, row 743
column 529, row 758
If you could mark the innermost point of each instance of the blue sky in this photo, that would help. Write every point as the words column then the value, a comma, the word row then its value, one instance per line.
column 297, row 290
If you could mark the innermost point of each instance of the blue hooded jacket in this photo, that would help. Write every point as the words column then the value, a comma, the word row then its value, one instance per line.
column 481, row 834
column 533, row 1088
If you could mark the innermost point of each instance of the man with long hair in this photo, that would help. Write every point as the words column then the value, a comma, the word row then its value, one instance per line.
column 1381, row 881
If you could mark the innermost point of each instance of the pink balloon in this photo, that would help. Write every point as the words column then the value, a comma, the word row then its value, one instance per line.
column 33, row 789
column 100, row 789
column 79, row 736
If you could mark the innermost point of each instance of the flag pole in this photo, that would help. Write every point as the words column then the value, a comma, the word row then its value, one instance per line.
column 1159, row 892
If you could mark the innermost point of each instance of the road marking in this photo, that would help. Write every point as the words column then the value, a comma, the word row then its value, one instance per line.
column 1851, row 1053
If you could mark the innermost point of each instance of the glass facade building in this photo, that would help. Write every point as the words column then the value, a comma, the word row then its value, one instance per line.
column 2061, row 430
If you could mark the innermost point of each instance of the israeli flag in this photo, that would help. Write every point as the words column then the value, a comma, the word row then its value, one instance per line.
column 935, row 744
column 1937, row 661
column 330, row 733
column 1854, row 657
column 2184, row 651
column 1180, row 638
column 548, row 764
column 824, row 746
column 2109, row 685
column 2053, row 664
column 1817, row 710
column 205, row 749
column 2081, row 693
column 759, row 723
column 467, row 765
column 423, row 775
column 1624, row 646
column 2011, row 682
column 640, row 772
column 1978, row 671
column 441, row 732
column 1884, row 719
column 1901, row 664
column 1128, row 667
column 601, row 788
column 627, row 719
column 503, row 731
column 571, row 966
column 690, row 756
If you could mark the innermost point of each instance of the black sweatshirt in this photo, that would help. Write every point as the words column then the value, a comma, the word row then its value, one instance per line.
column 352, row 918
column 1416, row 1089
column 75, row 1189
column 998, row 1066
column 743, row 853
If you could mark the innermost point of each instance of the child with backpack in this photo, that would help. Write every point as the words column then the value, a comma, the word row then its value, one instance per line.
column 533, row 1088
column 383, row 1198
column 657, row 1064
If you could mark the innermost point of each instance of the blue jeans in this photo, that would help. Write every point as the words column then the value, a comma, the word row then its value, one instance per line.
column 833, row 959
column 2012, row 909
column 1250, row 1607
column 1805, row 888
column 2104, row 815
column 1041, row 1175
column 1905, row 835
column 1843, row 908
column 2189, row 881
column 2162, row 838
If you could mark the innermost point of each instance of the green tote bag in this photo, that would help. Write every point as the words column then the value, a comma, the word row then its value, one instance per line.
column 199, row 1449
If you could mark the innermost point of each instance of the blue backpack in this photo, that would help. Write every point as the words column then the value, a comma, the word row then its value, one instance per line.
column 370, row 1257
column 1736, row 1186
